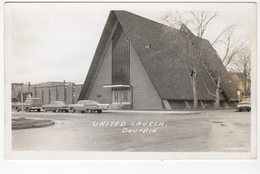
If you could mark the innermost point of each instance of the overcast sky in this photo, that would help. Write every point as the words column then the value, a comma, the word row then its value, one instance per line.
column 56, row 42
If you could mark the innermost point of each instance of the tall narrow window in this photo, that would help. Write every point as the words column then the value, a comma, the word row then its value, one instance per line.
column 116, row 96
column 120, row 57
column 57, row 93
column 125, row 96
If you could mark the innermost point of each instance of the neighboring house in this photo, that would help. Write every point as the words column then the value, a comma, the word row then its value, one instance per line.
column 140, row 64
column 243, row 83
column 16, row 91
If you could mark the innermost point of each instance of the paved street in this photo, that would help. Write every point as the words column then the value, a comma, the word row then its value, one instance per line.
column 221, row 131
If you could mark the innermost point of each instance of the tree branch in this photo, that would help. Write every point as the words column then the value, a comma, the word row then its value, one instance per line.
column 231, row 27
column 209, row 93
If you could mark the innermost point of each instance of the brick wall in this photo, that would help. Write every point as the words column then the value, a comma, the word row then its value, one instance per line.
column 58, row 93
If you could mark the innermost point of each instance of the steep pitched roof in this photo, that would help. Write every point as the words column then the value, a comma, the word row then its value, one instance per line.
column 165, row 60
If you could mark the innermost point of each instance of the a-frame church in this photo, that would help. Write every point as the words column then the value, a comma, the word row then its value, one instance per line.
column 142, row 64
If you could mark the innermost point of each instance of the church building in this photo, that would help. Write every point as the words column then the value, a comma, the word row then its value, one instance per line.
column 142, row 64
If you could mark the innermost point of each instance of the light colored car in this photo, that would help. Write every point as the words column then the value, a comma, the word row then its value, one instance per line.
column 56, row 106
column 244, row 105
column 88, row 106
column 30, row 104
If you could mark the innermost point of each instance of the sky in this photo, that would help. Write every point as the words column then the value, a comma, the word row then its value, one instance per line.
column 57, row 41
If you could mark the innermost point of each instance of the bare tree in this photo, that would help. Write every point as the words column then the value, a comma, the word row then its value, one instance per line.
column 242, row 66
column 176, row 19
column 229, row 29
column 231, row 49
column 193, row 60
column 197, row 21
column 202, row 19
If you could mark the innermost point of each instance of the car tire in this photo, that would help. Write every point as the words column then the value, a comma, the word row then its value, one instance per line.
column 99, row 111
column 72, row 110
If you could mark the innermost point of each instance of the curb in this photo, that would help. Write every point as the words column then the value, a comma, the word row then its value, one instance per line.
column 45, row 123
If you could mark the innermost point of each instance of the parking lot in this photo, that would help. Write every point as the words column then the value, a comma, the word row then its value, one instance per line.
column 207, row 131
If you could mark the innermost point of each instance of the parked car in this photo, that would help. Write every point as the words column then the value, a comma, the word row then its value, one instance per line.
column 15, row 104
column 56, row 106
column 30, row 104
column 244, row 105
column 88, row 106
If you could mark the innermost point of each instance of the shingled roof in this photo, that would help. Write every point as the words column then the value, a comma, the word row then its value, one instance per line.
column 165, row 60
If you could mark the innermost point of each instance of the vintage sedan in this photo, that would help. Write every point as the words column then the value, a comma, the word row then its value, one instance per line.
column 244, row 105
column 88, row 106
column 30, row 104
column 15, row 105
column 56, row 106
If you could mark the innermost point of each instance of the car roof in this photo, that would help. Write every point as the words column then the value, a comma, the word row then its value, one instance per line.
column 86, row 100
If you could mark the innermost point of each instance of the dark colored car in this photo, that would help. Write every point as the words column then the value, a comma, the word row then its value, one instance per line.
column 56, row 106
column 30, row 104
column 244, row 105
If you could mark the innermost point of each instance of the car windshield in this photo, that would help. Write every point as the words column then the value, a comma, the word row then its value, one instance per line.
column 92, row 102
column 33, row 100
column 87, row 102
column 81, row 102
column 57, row 103
column 246, row 100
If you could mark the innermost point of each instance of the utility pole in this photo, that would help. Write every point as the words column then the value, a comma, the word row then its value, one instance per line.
column 65, row 92
column 22, row 99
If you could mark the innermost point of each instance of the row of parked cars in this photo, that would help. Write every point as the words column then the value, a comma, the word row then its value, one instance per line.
column 35, row 104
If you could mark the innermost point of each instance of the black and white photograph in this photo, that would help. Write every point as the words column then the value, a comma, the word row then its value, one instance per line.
column 130, row 80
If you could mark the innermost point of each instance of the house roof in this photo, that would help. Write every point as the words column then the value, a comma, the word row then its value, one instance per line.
column 165, row 54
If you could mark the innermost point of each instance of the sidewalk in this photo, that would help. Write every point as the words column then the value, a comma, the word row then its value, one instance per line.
column 154, row 111
column 173, row 112
column 169, row 111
